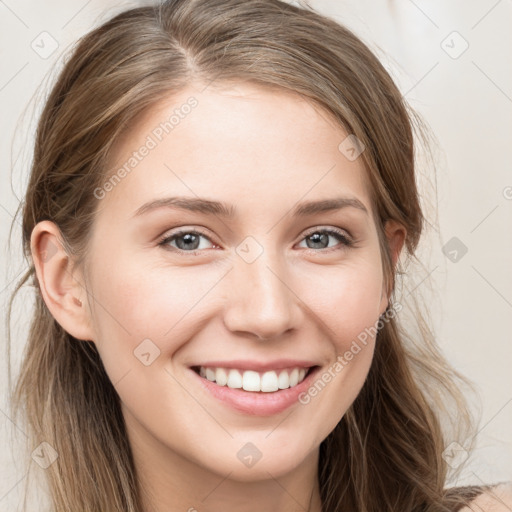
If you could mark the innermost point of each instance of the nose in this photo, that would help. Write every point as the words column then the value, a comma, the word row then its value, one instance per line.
column 261, row 300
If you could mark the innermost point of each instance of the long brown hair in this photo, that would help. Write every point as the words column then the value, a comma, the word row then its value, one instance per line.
column 386, row 452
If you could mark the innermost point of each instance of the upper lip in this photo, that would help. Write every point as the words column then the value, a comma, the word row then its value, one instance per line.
column 278, row 364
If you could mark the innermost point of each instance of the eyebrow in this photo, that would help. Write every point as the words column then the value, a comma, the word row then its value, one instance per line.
column 228, row 211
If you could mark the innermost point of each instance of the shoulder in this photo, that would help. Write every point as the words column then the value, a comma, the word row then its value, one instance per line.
column 496, row 499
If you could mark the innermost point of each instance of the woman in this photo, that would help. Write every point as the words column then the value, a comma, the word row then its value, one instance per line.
column 220, row 195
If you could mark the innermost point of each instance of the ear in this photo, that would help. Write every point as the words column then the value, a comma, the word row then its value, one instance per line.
column 62, row 291
column 395, row 235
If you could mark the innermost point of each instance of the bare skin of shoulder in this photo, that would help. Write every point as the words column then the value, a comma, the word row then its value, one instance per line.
column 497, row 499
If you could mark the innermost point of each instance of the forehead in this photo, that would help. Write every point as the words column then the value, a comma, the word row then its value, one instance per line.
column 239, row 143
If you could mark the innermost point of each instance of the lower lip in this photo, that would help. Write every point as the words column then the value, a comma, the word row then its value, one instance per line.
column 258, row 403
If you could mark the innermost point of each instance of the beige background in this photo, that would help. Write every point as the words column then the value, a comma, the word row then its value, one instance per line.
column 452, row 62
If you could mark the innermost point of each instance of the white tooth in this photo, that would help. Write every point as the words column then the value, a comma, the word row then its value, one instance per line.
column 284, row 380
column 294, row 377
column 269, row 382
column 221, row 376
column 210, row 374
column 251, row 381
column 234, row 379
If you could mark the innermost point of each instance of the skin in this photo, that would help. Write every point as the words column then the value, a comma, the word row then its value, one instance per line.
column 262, row 151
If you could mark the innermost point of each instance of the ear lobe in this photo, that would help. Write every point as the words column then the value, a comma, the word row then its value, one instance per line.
column 62, row 292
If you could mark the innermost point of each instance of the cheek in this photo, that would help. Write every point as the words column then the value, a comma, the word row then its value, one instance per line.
column 134, row 302
column 347, row 298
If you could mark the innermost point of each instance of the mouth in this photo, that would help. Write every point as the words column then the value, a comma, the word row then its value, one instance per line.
column 254, row 381
column 251, row 392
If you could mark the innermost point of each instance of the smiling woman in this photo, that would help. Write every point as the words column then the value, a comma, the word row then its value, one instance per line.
column 216, row 323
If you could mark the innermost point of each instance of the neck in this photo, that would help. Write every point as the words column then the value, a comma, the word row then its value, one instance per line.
column 272, row 495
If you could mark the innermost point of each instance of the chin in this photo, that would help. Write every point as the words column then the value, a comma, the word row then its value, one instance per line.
column 256, row 461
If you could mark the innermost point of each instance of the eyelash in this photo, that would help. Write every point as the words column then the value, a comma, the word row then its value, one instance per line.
column 346, row 242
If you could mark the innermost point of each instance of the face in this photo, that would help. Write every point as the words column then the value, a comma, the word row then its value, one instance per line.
column 270, row 297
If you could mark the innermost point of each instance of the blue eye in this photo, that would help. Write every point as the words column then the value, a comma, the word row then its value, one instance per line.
column 321, row 236
column 189, row 240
